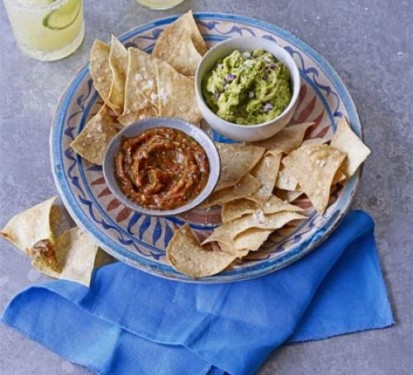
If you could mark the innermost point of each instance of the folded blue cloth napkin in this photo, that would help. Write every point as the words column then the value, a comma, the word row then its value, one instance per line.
column 129, row 322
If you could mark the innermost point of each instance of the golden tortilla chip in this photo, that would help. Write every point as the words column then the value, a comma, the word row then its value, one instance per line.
column 245, row 188
column 236, row 161
column 92, row 142
column 259, row 220
column 287, row 140
column 285, row 180
column 141, row 88
column 347, row 141
column 176, row 94
column 100, row 70
column 266, row 172
column 314, row 167
column 186, row 255
column 236, row 209
column 31, row 226
column 118, row 63
column 181, row 45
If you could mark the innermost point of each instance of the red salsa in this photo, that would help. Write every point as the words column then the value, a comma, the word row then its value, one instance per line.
column 161, row 168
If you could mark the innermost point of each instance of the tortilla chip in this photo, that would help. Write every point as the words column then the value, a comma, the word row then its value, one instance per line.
column 100, row 70
column 314, row 167
column 176, row 94
column 285, row 180
column 259, row 220
column 141, row 88
column 71, row 256
column 314, row 142
column 181, row 45
column 245, row 188
column 186, row 255
column 31, row 226
column 118, row 63
column 236, row 161
column 287, row 140
column 76, row 252
column 266, row 172
column 347, row 141
column 182, row 54
column 250, row 240
column 92, row 142
column 287, row 195
column 241, row 207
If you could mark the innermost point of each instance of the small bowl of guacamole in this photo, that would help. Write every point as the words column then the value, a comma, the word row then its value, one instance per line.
column 247, row 88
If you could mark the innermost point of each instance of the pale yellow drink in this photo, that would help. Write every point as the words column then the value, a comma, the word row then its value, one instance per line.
column 47, row 29
column 160, row 4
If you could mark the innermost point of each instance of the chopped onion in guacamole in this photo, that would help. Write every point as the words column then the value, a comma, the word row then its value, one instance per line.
column 248, row 88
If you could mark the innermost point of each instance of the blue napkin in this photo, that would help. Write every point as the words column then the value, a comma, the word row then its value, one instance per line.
column 129, row 322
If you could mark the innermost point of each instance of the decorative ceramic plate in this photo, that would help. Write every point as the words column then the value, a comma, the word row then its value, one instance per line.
column 141, row 240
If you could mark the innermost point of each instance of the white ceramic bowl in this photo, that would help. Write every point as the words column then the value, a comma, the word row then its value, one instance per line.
column 246, row 133
column 162, row 122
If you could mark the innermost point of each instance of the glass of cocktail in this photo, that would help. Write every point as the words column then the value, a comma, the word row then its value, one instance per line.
column 47, row 29
column 160, row 4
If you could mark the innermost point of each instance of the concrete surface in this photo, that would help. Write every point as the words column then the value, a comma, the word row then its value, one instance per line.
column 369, row 43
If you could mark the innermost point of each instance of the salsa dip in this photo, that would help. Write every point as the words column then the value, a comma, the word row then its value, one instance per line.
column 161, row 168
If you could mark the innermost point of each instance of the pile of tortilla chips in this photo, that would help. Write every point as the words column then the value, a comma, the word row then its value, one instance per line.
column 135, row 85
column 256, row 190
column 67, row 254
column 259, row 182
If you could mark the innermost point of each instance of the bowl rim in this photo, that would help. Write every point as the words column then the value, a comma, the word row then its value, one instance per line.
column 294, row 98
column 137, row 128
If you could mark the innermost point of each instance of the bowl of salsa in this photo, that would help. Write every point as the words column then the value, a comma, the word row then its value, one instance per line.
column 161, row 166
column 247, row 88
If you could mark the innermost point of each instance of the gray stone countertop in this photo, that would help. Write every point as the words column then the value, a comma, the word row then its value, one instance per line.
column 369, row 43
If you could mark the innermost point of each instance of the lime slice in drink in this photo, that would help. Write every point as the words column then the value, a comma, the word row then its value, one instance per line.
column 64, row 16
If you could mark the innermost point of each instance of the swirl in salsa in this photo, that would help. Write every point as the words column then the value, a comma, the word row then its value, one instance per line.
column 161, row 168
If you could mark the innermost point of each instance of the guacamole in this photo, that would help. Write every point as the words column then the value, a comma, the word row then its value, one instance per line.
column 248, row 88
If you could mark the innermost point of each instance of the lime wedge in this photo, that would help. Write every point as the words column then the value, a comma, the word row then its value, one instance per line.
column 63, row 17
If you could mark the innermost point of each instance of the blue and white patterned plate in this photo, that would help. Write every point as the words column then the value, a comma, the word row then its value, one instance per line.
column 141, row 240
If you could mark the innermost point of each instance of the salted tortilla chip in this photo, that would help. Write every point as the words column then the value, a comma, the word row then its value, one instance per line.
column 100, row 70
column 141, row 88
column 347, row 141
column 244, row 188
column 181, row 45
column 92, row 142
column 259, row 220
column 31, row 226
column 287, row 140
column 314, row 167
column 236, row 209
column 287, row 195
column 236, row 161
column 266, row 172
column 184, row 58
column 285, row 180
column 186, row 255
column 176, row 94
column 118, row 64
column 315, row 142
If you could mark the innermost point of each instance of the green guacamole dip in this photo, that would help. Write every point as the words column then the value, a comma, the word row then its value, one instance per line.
column 248, row 88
